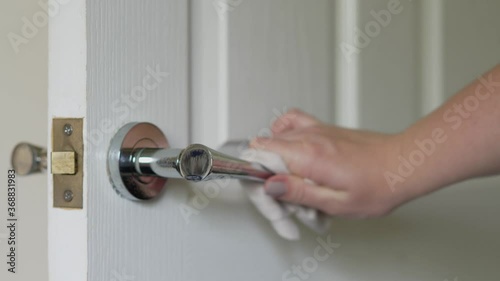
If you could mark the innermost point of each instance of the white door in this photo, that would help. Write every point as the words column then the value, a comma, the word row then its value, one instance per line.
column 215, row 71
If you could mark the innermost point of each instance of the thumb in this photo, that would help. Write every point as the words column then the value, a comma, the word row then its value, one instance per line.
column 300, row 191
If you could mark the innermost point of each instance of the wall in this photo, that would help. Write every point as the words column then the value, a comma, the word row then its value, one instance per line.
column 23, row 111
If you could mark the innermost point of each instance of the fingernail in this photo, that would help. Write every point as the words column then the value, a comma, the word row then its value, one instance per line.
column 275, row 189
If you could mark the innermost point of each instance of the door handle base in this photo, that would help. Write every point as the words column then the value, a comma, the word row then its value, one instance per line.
column 125, row 181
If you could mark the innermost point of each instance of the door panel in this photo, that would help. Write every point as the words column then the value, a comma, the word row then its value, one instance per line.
column 394, row 80
column 389, row 65
column 244, row 76
column 254, row 72
column 137, row 69
column 282, row 60
column 472, row 41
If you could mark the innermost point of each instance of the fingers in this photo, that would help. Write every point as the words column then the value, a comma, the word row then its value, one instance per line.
column 297, row 159
column 296, row 190
column 293, row 119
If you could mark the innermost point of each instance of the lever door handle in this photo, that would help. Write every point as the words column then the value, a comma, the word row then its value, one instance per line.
column 140, row 162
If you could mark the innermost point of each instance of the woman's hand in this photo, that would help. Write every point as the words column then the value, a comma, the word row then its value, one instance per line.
column 345, row 167
column 349, row 168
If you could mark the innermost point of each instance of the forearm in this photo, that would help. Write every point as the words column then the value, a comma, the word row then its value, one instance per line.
column 460, row 140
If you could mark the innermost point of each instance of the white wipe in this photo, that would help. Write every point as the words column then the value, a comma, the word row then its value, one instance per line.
column 278, row 213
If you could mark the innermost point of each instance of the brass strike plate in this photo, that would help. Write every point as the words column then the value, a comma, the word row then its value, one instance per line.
column 67, row 162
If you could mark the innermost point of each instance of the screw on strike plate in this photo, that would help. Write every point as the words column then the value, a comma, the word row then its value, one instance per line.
column 68, row 130
column 68, row 195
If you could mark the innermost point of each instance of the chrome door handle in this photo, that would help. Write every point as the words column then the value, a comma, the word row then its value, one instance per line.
column 140, row 162
column 27, row 159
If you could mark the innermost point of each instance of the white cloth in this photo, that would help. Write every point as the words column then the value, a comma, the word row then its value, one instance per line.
column 280, row 214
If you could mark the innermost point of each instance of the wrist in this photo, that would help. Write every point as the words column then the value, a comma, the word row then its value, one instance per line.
column 419, row 162
column 411, row 165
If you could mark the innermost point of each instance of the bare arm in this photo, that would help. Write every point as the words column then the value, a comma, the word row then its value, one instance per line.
column 470, row 144
column 363, row 174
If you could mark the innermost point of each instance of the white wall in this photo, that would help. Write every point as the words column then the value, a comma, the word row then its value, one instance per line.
column 23, row 111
